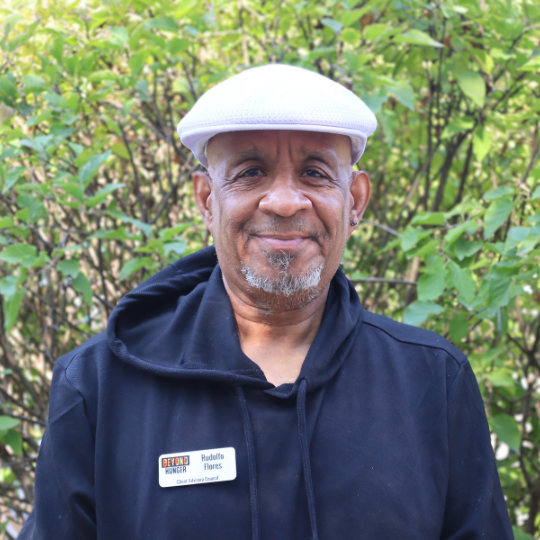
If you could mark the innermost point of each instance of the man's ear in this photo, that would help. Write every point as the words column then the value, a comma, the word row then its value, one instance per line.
column 360, row 190
column 202, row 187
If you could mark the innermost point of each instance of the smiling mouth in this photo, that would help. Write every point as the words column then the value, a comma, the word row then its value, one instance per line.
column 284, row 243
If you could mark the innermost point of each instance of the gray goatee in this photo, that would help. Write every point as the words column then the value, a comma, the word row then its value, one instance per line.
column 285, row 283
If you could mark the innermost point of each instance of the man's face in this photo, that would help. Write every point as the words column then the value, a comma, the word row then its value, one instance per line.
column 279, row 206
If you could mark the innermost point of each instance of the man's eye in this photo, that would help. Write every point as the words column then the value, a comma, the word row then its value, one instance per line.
column 250, row 173
column 313, row 174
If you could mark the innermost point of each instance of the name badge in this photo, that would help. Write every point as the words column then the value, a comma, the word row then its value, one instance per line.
column 199, row 467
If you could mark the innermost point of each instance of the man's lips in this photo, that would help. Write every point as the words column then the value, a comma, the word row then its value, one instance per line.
column 283, row 242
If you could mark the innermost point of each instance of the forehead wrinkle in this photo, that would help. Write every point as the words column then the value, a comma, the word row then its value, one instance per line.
column 329, row 157
column 256, row 153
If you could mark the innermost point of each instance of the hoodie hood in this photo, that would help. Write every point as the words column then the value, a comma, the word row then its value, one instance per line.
column 180, row 323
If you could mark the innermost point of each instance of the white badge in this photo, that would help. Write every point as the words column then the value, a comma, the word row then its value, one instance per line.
column 199, row 467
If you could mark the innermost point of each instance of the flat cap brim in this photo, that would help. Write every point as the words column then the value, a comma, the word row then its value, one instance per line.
column 277, row 97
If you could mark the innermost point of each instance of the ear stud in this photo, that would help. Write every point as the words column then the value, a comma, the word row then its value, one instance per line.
column 354, row 223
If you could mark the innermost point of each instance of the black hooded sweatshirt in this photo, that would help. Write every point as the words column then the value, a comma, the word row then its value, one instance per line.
column 383, row 436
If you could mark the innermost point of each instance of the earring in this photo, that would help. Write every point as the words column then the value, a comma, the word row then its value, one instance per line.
column 354, row 223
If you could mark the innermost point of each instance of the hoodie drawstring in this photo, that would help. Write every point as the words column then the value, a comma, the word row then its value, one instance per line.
column 304, row 449
column 252, row 468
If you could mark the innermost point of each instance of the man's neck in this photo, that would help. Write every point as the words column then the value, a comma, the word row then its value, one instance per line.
column 277, row 340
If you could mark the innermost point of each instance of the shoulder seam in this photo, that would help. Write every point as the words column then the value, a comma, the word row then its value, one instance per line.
column 78, row 392
column 419, row 344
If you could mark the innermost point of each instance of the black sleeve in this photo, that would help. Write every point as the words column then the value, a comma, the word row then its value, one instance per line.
column 475, row 505
column 64, row 490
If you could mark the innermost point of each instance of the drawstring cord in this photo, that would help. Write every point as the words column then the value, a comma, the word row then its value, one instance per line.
column 304, row 449
column 252, row 468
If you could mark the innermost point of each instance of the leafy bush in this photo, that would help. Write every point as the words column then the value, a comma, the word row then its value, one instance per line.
column 95, row 190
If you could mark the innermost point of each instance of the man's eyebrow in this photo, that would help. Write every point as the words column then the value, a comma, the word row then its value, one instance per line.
column 239, row 157
column 325, row 156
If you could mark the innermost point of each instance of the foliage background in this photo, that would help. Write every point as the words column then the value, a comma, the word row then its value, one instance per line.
column 95, row 193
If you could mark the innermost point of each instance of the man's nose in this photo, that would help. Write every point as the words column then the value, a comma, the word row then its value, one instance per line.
column 285, row 197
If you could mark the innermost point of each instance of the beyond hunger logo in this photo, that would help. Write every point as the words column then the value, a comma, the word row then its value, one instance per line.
column 178, row 464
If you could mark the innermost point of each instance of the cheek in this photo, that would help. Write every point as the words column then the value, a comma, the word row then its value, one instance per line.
column 234, row 212
column 331, row 210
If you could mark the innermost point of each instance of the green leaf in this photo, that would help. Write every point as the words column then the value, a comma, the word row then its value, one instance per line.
column 8, row 87
column 431, row 285
column 374, row 31
column 142, row 89
column 520, row 535
column 90, row 168
column 481, row 143
column 404, row 93
column 136, row 62
column 351, row 36
column 82, row 285
column 498, row 289
column 6, row 222
column 532, row 65
column 496, row 215
column 132, row 266
column 146, row 228
column 417, row 37
column 13, row 439
column 429, row 218
column 177, row 45
column 417, row 312
column 356, row 61
column 473, row 86
column 102, row 194
column 24, row 254
column 178, row 247
column 536, row 194
column 459, row 327
column 162, row 23
column 457, row 125
column 33, row 83
column 507, row 429
column 463, row 282
column 69, row 267
column 35, row 206
column 39, row 144
column 334, row 25
column 469, row 227
column 120, row 33
column 350, row 17
column 463, row 248
column 56, row 49
column 120, row 150
column 11, row 310
column 12, row 178
column 500, row 378
column 498, row 193
column 75, row 190
column 409, row 238
column 8, row 285
column 6, row 422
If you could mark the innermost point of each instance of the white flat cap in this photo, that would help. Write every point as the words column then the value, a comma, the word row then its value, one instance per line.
column 277, row 96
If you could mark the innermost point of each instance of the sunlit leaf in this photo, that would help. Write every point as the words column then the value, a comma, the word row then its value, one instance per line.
column 507, row 430
column 481, row 143
column 496, row 215
column 431, row 285
column 473, row 86
column 417, row 37
column 82, row 285
column 417, row 312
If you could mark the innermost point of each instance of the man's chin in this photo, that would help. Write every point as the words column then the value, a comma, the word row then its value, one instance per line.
column 286, row 282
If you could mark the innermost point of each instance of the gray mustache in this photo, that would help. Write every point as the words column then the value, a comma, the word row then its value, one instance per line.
column 277, row 226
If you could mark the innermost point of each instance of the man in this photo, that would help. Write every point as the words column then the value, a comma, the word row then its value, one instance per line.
column 250, row 395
